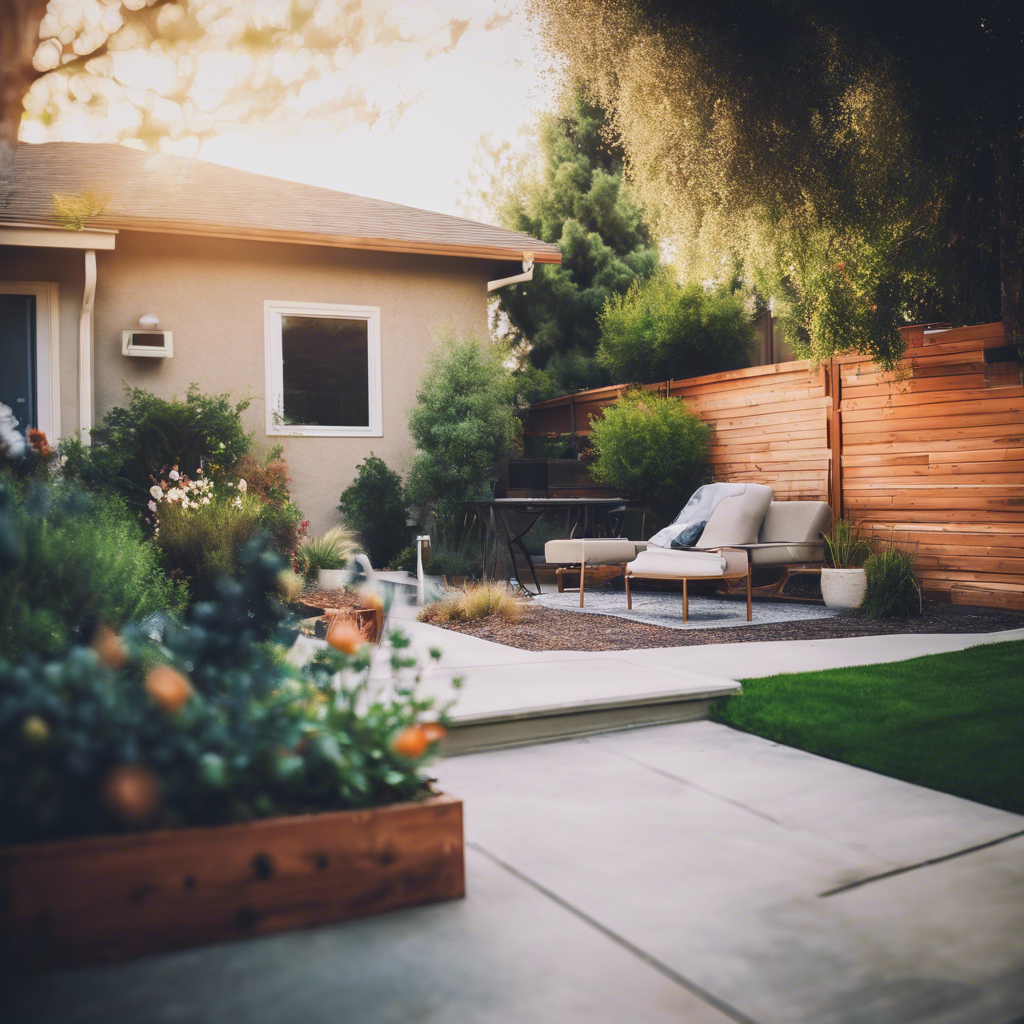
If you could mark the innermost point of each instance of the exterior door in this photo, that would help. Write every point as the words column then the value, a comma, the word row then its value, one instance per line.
column 19, row 374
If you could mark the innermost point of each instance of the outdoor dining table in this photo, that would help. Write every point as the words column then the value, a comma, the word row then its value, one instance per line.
column 497, row 516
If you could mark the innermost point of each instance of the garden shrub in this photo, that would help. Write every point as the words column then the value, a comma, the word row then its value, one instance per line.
column 893, row 591
column 462, row 559
column 152, row 434
column 69, row 560
column 210, row 725
column 844, row 547
column 661, row 329
column 374, row 506
column 651, row 449
column 463, row 426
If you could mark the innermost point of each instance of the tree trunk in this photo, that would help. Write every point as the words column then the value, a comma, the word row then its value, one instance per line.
column 1010, row 197
column 19, row 37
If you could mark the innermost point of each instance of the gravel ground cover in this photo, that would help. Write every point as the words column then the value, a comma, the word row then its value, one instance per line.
column 555, row 629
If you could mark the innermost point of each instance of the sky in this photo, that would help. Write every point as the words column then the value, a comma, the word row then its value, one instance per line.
column 492, row 81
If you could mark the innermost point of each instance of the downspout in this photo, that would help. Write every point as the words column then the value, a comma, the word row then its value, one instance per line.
column 526, row 275
column 85, row 349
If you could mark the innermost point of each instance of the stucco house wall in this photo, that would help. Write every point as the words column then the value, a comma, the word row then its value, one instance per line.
column 210, row 293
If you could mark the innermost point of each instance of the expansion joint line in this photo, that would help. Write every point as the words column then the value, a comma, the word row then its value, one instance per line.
column 619, row 940
column 922, row 864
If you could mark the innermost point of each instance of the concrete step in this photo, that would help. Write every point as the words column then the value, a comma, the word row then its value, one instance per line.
column 517, row 727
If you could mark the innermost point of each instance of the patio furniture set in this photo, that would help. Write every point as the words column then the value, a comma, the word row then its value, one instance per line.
column 724, row 533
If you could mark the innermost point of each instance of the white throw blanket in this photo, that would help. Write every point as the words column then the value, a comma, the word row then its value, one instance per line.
column 686, row 528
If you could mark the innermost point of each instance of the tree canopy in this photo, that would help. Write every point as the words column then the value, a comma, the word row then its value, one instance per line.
column 575, row 199
column 863, row 159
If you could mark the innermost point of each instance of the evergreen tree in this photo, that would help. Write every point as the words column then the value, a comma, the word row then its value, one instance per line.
column 578, row 202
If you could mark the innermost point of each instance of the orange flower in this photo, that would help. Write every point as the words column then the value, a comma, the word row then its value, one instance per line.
column 108, row 647
column 434, row 731
column 169, row 689
column 411, row 742
column 131, row 792
column 344, row 636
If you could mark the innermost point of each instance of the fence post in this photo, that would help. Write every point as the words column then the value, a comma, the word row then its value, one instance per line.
column 834, row 387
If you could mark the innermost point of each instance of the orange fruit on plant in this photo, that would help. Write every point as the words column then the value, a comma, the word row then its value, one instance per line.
column 410, row 742
column 169, row 689
column 131, row 792
column 108, row 647
column 433, row 731
column 345, row 636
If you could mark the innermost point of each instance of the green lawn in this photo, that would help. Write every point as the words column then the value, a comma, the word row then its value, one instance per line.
column 953, row 722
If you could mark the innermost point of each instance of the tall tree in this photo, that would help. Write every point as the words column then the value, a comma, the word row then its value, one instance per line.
column 864, row 159
column 573, row 197
column 186, row 69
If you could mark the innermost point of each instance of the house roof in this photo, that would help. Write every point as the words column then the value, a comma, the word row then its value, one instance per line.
column 145, row 191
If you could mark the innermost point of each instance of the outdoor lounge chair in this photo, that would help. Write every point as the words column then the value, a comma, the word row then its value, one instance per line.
column 735, row 519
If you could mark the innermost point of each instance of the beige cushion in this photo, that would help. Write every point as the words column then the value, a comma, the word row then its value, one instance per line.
column 676, row 564
column 771, row 555
column 737, row 518
column 798, row 522
column 591, row 549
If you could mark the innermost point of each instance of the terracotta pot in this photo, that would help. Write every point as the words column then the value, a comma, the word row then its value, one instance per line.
column 844, row 588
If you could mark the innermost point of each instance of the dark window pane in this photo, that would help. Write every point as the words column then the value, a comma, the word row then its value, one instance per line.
column 325, row 368
column 18, row 357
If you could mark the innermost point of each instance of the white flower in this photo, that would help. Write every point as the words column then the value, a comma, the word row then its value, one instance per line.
column 10, row 438
column 152, row 506
column 156, row 491
column 243, row 486
column 174, row 474
column 206, row 501
column 185, row 503
column 237, row 502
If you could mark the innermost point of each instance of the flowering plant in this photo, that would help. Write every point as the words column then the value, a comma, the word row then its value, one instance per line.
column 176, row 488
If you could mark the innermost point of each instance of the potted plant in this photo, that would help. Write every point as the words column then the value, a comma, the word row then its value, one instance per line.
column 323, row 558
column 162, row 791
column 843, row 581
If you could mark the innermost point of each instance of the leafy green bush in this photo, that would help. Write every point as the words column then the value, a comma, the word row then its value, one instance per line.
column 403, row 561
column 152, row 434
column 268, row 482
column 68, row 560
column 893, row 591
column 463, row 426
column 116, row 739
column 374, row 506
column 844, row 548
column 200, row 544
column 661, row 329
column 462, row 559
column 651, row 449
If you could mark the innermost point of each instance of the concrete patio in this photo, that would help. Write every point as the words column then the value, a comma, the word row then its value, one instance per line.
column 684, row 873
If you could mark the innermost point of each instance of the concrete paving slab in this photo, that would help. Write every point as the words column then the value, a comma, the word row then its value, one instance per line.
column 729, row 893
column 505, row 954
column 889, row 820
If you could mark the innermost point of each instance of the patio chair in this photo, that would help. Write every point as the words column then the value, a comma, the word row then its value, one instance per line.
column 734, row 514
column 590, row 554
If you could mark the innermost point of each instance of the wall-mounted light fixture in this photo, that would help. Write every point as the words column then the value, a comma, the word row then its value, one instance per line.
column 149, row 341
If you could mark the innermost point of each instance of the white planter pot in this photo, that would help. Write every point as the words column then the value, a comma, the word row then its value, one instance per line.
column 844, row 588
column 332, row 579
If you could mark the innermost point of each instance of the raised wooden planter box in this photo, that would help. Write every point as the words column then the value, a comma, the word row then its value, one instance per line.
column 106, row 898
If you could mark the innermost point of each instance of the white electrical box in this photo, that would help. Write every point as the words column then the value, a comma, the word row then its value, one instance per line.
column 155, row 344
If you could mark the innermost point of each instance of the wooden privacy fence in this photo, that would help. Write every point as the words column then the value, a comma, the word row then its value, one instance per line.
column 930, row 456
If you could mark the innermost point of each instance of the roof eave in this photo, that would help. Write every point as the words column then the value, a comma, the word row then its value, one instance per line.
column 483, row 252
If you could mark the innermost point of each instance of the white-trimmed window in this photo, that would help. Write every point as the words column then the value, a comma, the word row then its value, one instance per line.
column 323, row 369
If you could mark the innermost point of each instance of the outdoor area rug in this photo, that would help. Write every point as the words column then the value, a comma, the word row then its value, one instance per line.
column 666, row 609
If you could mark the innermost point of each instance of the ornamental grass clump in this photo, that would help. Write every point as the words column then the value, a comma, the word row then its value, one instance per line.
column 206, row 721
column 330, row 550
column 844, row 548
column 893, row 590
column 478, row 601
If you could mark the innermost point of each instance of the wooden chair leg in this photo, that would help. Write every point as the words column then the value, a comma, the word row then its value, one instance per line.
column 686, row 602
column 560, row 574
column 629, row 595
column 748, row 592
column 583, row 576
